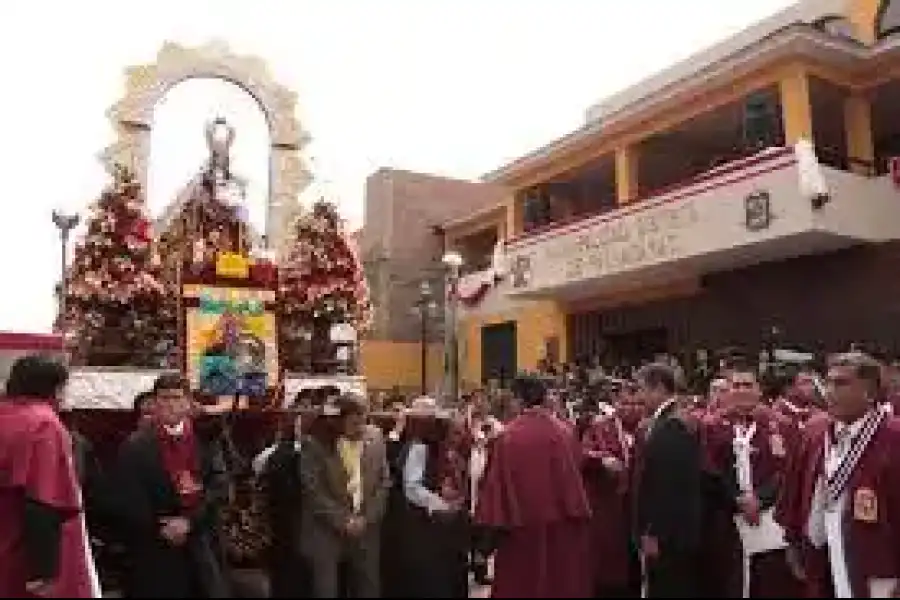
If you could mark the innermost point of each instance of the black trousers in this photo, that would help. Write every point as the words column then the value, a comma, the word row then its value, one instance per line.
column 437, row 550
column 672, row 575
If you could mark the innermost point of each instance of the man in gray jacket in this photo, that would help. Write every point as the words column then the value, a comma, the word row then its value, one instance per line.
column 345, row 480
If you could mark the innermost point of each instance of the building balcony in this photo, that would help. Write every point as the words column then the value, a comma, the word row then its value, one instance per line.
column 766, row 207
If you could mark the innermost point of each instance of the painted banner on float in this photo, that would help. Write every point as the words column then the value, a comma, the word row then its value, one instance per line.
column 232, row 345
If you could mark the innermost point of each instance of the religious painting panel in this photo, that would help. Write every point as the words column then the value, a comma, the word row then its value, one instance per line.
column 231, row 340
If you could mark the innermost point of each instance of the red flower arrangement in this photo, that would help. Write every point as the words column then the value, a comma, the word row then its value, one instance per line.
column 322, row 278
column 115, row 293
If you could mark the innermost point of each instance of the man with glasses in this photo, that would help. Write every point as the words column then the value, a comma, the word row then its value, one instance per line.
column 170, row 486
column 844, row 502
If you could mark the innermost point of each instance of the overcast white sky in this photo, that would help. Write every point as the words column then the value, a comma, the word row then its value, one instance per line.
column 455, row 87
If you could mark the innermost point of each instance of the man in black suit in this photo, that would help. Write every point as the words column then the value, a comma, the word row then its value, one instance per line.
column 668, row 490
column 278, row 468
column 170, row 486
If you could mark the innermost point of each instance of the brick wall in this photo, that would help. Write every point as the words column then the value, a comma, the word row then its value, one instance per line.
column 399, row 245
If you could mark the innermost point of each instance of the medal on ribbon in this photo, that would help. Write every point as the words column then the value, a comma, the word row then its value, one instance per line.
column 865, row 505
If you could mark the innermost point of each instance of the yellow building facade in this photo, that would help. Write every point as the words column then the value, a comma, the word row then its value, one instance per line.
column 822, row 86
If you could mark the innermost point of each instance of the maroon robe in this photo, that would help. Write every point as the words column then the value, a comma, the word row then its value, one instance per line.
column 789, row 506
column 871, row 540
column 36, row 461
column 179, row 458
column 532, row 494
column 776, row 438
column 608, row 495
column 634, row 469
column 452, row 464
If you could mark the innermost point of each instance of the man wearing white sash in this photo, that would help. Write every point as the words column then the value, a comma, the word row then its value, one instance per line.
column 750, row 445
column 846, row 517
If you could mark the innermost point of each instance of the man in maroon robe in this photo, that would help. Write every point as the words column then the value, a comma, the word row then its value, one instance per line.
column 607, row 444
column 800, row 404
column 842, row 515
column 533, row 500
column 890, row 382
column 749, row 445
column 43, row 542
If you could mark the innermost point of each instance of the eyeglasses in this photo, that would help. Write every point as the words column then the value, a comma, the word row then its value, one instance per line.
column 839, row 381
column 742, row 385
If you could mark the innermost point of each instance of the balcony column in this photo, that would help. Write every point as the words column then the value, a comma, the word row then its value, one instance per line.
column 514, row 225
column 796, row 108
column 863, row 14
column 858, row 129
column 627, row 167
column 502, row 224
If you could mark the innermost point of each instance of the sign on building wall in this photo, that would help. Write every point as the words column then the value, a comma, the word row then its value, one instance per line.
column 231, row 337
column 649, row 237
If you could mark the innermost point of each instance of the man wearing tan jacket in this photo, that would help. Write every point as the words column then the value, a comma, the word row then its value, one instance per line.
column 345, row 481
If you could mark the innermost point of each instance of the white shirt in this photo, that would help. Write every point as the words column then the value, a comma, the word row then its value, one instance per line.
column 742, row 445
column 477, row 464
column 658, row 413
column 175, row 430
column 262, row 459
column 413, row 480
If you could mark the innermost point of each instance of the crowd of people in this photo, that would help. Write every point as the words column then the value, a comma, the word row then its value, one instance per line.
column 619, row 488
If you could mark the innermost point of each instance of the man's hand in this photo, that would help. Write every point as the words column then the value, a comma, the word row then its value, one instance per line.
column 39, row 587
column 613, row 464
column 355, row 526
column 749, row 505
column 795, row 563
column 175, row 530
column 649, row 546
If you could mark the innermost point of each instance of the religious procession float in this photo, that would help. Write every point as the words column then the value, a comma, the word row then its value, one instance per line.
column 198, row 292
column 255, row 322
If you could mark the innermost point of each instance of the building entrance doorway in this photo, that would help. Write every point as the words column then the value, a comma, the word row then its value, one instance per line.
column 498, row 353
column 633, row 348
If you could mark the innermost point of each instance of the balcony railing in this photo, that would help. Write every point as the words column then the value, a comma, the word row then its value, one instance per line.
column 836, row 159
column 743, row 161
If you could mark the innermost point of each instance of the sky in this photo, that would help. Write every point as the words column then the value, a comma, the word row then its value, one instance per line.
column 452, row 87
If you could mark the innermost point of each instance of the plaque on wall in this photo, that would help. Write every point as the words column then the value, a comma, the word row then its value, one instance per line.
column 521, row 271
column 757, row 211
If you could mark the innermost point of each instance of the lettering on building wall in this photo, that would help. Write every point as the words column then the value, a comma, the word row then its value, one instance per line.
column 634, row 241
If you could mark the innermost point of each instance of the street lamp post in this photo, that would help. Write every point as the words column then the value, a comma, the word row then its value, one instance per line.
column 453, row 261
column 425, row 308
column 65, row 223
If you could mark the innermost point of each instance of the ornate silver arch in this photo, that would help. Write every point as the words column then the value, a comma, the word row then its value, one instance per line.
column 132, row 120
